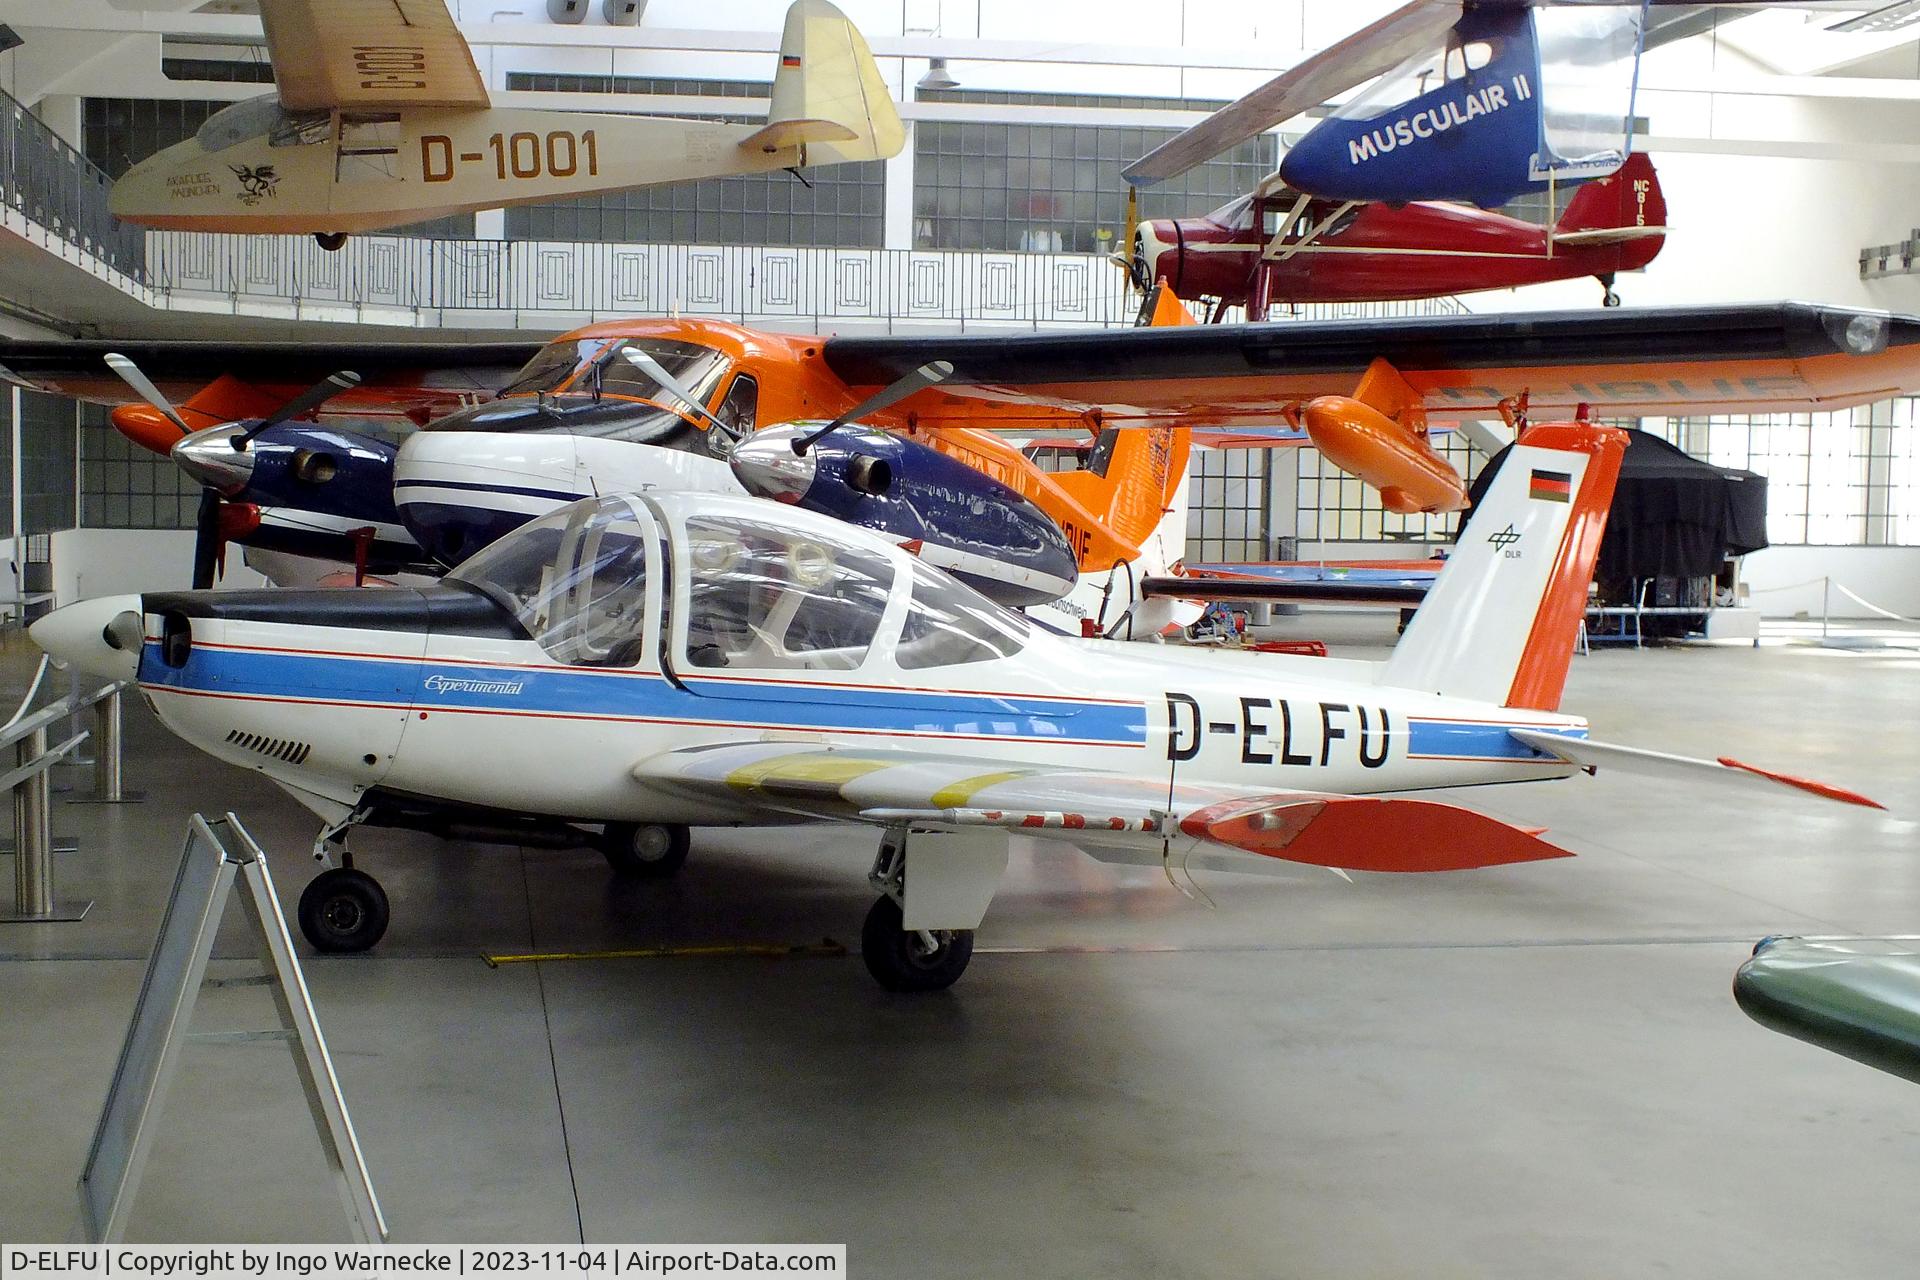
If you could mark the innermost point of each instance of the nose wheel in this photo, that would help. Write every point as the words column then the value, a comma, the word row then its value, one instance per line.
column 331, row 241
column 343, row 910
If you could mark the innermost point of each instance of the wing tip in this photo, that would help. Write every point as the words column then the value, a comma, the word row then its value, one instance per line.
column 1811, row 785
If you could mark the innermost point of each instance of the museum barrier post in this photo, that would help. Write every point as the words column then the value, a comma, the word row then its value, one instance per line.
column 29, row 781
column 33, row 898
column 108, row 778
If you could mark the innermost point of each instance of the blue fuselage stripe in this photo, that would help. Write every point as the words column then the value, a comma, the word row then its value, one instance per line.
column 432, row 685
column 1475, row 741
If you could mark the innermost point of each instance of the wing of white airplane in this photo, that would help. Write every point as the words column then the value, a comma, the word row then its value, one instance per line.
column 1114, row 817
column 369, row 54
column 1366, row 53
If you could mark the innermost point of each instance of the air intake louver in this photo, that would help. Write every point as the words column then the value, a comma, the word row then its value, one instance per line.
column 284, row 749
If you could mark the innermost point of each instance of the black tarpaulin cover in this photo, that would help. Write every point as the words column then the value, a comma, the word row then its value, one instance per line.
column 1673, row 516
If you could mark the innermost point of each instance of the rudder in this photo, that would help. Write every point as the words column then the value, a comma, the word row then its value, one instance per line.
column 1501, row 621
column 828, row 94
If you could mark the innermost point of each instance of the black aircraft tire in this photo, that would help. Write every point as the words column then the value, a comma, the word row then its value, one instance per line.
column 344, row 910
column 645, row 851
column 894, row 958
column 331, row 241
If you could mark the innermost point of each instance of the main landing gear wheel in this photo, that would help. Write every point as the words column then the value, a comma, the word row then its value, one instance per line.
column 903, row 960
column 645, row 851
column 344, row 910
column 1608, row 298
column 331, row 241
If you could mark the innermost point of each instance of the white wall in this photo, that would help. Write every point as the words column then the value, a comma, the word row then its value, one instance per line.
column 106, row 562
column 1887, row 576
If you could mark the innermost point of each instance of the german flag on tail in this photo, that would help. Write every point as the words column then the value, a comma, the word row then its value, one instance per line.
column 1551, row 486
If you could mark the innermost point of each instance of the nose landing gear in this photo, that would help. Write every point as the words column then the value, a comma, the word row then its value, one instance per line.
column 343, row 910
column 331, row 241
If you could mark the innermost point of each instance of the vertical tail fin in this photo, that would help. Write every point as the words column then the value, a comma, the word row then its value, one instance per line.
column 1502, row 618
column 1625, row 205
column 828, row 96
column 1131, row 480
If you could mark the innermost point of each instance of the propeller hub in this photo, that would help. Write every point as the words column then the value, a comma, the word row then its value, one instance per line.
column 210, row 458
column 767, row 467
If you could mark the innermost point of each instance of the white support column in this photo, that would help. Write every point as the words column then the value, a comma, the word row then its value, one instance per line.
column 61, row 113
column 1283, row 497
column 897, row 231
column 19, row 526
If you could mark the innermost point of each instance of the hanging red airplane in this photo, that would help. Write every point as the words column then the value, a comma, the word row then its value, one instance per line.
column 1278, row 246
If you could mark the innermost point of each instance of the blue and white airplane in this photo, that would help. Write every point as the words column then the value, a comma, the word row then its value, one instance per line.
column 645, row 663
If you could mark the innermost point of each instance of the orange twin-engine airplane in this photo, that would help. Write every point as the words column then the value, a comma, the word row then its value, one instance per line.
column 1360, row 388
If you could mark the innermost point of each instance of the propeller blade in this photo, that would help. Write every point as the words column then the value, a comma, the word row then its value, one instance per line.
column 307, row 401
column 143, row 387
column 207, row 541
column 927, row 375
column 655, row 370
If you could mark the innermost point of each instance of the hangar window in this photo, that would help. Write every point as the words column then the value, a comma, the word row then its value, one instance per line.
column 765, row 598
column 576, row 580
column 949, row 623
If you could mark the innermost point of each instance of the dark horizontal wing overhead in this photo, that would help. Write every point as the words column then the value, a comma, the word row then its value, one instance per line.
column 396, row 375
column 1183, row 587
column 1366, row 53
column 1746, row 358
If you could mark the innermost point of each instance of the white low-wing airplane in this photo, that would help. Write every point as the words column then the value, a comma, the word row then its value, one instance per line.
column 659, row 660
column 381, row 119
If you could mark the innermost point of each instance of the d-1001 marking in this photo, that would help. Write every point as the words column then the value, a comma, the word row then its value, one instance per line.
column 556, row 154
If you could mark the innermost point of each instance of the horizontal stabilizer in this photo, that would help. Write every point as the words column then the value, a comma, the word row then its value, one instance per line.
column 1589, row 754
column 1367, row 833
column 793, row 133
column 1607, row 235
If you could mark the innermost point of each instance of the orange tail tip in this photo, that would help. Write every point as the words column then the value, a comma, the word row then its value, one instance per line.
column 1368, row 833
column 1826, row 789
column 1542, row 674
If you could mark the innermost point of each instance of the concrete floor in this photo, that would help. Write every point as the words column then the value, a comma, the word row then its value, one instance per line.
column 1521, row 1072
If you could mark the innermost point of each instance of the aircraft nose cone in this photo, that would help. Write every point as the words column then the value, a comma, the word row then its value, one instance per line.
column 210, row 458
column 101, row 637
column 767, row 467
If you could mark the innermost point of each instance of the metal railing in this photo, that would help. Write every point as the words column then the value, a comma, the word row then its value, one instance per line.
column 752, row 284
column 1881, row 260
column 28, row 780
column 62, row 192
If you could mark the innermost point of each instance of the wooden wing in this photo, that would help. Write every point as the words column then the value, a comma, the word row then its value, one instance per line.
column 362, row 55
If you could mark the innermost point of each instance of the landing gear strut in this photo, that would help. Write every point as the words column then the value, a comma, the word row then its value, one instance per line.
column 645, row 850
column 1608, row 298
column 902, row 959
